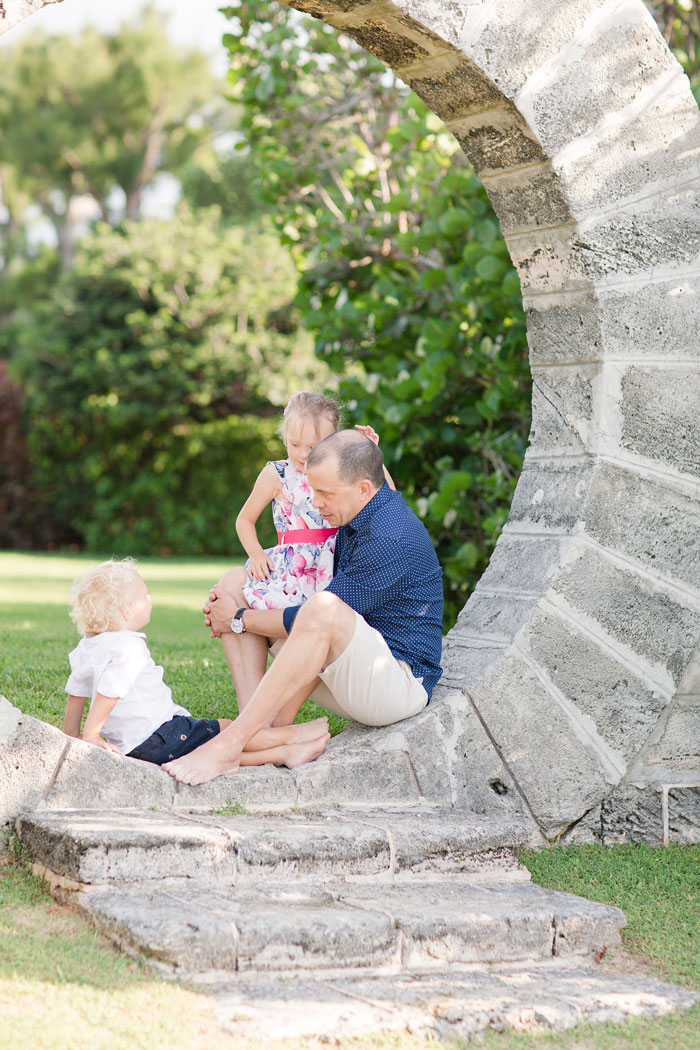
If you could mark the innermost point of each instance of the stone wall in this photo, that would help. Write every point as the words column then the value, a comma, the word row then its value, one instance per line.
column 576, row 648
column 578, row 654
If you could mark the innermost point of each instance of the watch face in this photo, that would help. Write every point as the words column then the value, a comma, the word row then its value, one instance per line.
column 237, row 622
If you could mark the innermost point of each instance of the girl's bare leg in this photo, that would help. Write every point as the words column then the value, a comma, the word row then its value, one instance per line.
column 278, row 736
column 246, row 654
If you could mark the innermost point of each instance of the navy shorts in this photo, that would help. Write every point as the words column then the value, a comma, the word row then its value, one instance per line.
column 176, row 738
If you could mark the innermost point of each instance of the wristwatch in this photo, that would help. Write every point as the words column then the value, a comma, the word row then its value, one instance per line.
column 237, row 625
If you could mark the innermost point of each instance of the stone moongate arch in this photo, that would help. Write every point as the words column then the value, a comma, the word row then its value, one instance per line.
column 572, row 678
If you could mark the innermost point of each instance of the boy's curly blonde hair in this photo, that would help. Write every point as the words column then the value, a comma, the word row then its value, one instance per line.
column 98, row 597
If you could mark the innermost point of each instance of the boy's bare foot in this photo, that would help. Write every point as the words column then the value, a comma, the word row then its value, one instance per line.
column 301, row 732
column 299, row 754
column 204, row 763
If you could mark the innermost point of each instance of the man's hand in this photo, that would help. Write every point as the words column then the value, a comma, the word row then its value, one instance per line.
column 218, row 612
column 260, row 566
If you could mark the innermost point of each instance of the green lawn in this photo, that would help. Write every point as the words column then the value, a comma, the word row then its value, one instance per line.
column 37, row 634
column 64, row 987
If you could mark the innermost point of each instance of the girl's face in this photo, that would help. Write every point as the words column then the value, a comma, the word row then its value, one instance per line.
column 302, row 435
column 138, row 605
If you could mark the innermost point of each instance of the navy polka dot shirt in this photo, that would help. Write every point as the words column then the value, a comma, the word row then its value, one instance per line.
column 386, row 569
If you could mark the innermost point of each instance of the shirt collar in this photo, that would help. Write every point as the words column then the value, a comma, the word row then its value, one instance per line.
column 381, row 497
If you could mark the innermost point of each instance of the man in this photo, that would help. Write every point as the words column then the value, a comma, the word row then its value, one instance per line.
column 367, row 647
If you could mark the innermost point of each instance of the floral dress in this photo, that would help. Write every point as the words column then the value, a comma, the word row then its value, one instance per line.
column 302, row 565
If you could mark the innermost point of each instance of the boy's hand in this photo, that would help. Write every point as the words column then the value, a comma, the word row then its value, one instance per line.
column 260, row 566
column 369, row 432
column 99, row 742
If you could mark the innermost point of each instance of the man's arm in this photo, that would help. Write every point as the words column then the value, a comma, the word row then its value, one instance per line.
column 220, row 610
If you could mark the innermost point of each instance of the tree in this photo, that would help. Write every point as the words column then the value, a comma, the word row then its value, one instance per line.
column 404, row 280
column 81, row 116
column 153, row 378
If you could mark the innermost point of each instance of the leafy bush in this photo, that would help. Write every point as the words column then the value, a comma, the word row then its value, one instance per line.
column 153, row 377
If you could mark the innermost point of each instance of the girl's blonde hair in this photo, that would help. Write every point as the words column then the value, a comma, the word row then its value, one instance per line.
column 316, row 407
column 97, row 598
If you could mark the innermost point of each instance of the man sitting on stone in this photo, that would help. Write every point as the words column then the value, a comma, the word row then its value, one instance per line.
column 367, row 647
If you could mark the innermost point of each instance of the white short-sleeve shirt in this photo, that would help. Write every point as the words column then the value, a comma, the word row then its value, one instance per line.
column 118, row 663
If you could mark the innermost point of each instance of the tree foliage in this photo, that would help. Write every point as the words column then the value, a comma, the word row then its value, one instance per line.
column 405, row 280
column 83, row 115
column 152, row 379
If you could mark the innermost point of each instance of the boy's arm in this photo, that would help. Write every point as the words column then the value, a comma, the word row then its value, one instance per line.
column 97, row 716
column 75, row 705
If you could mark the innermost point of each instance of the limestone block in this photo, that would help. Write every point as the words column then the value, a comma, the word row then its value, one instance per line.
column 602, row 76
column 393, row 38
column 526, row 200
column 452, row 86
column 634, row 242
column 632, row 814
column 496, row 619
column 550, row 498
column 328, row 10
column 565, row 329
column 446, row 1005
column 623, row 708
column 356, row 776
column 585, row 832
column 671, row 434
column 655, row 148
column 678, row 746
column 524, row 563
column 465, row 661
column 648, row 521
column 447, row 18
column 251, row 786
column 30, row 751
column 653, row 319
column 684, row 814
column 329, row 842
column 421, row 740
column 90, row 777
column 563, row 401
column 481, row 782
column 657, row 319
column 654, row 232
column 631, row 611
column 126, row 846
column 560, row 767
column 496, row 140
column 511, row 40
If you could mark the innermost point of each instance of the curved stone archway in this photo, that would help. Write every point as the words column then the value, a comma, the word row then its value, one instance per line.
column 572, row 678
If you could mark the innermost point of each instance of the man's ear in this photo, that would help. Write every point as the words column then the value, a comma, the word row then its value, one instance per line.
column 366, row 488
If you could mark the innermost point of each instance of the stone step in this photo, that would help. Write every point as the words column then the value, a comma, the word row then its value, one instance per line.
column 445, row 1004
column 405, row 921
column 130, row 846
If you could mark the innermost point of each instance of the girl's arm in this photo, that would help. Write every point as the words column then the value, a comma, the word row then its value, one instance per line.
column 97, row 716
column 372, row 434
column 75, row 705
column 266, row 488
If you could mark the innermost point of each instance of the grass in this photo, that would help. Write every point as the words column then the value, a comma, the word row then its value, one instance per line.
column 63, row 986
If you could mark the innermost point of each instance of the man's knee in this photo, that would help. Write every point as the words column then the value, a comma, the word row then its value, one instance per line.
column 324, row 612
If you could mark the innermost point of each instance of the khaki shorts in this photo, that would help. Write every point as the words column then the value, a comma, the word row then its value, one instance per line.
column 367, row 683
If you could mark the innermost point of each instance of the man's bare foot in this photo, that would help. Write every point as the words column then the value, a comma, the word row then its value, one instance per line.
column 299, row 754
column 204, row 763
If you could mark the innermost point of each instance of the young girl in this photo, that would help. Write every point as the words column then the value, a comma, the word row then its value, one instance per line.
column 302, row 561
column 131, row 710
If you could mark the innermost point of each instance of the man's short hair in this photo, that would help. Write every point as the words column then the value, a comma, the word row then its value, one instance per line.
column 355, row 455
